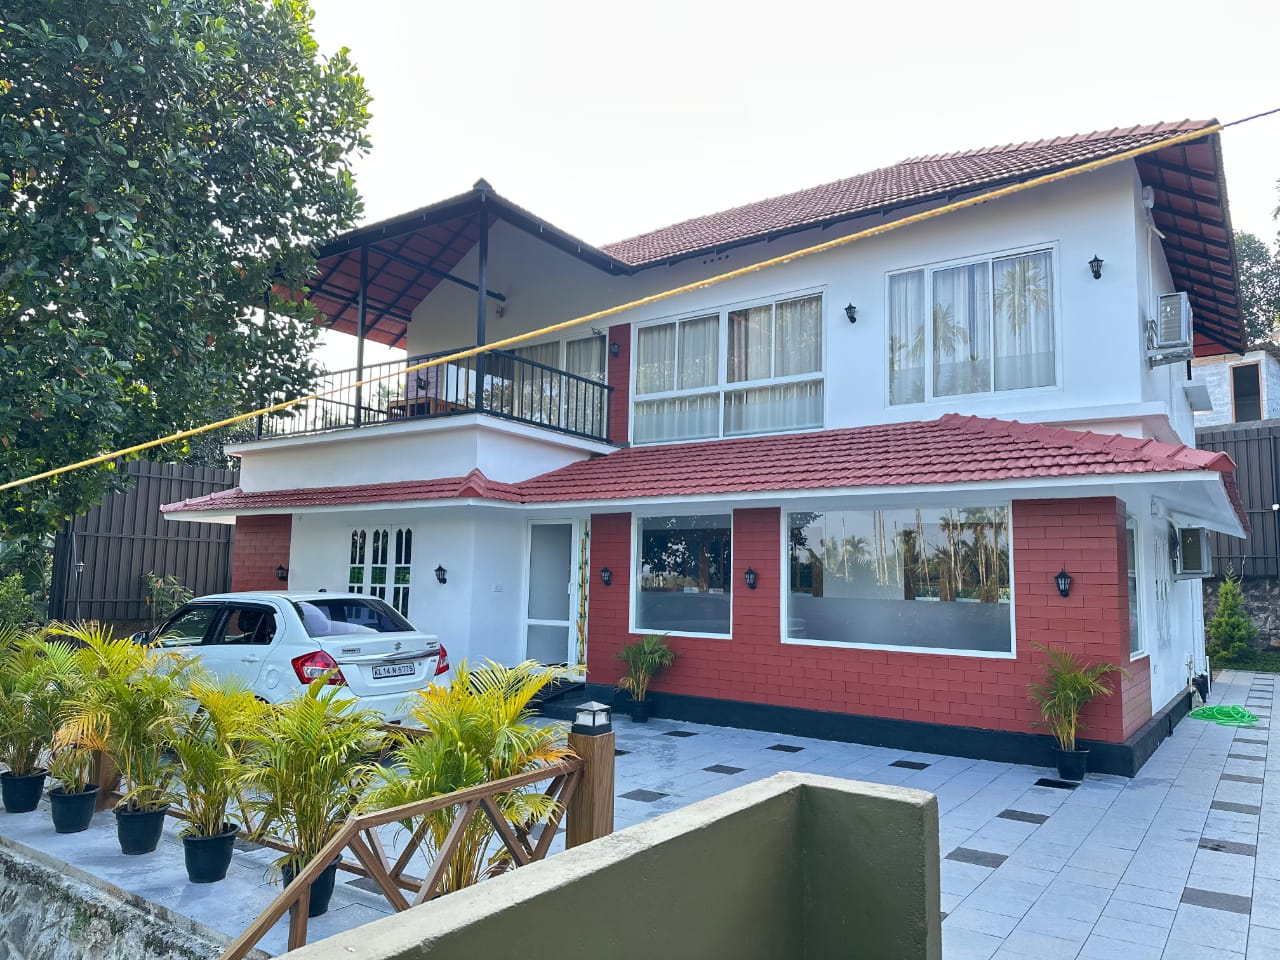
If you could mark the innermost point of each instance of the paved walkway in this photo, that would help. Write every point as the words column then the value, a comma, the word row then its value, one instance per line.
column 1181, row 862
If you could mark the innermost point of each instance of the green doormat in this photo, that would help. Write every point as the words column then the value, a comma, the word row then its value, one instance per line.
column 1229, row 716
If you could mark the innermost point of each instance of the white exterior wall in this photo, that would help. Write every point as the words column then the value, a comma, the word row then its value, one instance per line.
column 1215, row 374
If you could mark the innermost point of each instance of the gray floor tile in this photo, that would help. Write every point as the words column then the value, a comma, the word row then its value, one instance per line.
column 961, row 944
column 1104, row 948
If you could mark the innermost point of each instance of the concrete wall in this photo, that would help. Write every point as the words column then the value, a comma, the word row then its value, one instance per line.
column 794, row 866
column 1215, row 374
column 754, row 665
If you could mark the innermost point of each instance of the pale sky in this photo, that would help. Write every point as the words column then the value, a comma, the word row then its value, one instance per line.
column 609, row 119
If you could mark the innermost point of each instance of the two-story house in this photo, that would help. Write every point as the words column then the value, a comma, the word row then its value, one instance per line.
column 855, row 489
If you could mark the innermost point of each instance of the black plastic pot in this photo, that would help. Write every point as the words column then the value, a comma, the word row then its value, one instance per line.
column 72, row 812
column 1201, row 683
column 321, row 888
column 640, row 711
column 139, row 830
column 1072, row 763
column 208, row 857
column 22, row 794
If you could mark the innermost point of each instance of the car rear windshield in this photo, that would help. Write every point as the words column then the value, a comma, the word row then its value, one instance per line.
column 339, row 616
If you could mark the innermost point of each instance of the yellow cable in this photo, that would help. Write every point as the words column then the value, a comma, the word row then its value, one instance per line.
column 652, row 298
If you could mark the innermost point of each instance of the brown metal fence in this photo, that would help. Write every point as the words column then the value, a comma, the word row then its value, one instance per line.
column 1253, row 446
column 124, row 538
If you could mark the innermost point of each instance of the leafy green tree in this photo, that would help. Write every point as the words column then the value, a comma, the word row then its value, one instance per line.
column 1231, row 631
column 1259, row 268
column 164, row 164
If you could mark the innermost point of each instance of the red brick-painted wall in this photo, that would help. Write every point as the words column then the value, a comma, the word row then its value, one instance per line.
column 1086, row 535
column 618, row 376
column 258, row 546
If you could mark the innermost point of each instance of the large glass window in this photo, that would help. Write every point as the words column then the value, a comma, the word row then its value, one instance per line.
column 973, row 328
column 684, row 574
column 771, row 378
column 930, row 578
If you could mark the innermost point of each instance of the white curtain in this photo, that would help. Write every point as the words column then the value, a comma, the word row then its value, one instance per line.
column 676, row 418
column 797, row 342
column 699, row 352
column 786, row 406
column 656, row 359
column 750, row 343
column 584, row 405
column 1024, row 350
column 962, row 330
column 536, row 392
column 585, row 358
column 906, row 337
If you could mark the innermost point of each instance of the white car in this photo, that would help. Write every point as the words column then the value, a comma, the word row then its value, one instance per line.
column 278, row 642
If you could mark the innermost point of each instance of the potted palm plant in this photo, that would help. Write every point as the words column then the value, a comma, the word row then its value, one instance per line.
column 1069, row 684
column 481, row 729
column 210, row 748
column 644, row 659
column 28, row 711
column 132, row 707
column 308, row 769
column 73, row 800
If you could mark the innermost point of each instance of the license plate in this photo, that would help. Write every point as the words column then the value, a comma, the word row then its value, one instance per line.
column 395, row 670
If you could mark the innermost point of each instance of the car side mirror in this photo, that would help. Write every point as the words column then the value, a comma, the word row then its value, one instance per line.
column 142, row 636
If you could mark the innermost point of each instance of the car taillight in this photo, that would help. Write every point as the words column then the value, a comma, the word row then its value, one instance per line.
column 442, row 665
column 311, row 666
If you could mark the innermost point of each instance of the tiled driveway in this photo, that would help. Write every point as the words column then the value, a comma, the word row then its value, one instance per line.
column 1181, row 862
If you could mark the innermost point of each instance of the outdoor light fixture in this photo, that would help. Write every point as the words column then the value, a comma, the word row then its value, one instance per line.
column 750, row 577
column 592, row 718
column 1095, row 267
column 614, row 348
column 282, row 573
column 1063, row 580
column 606, row 576
column 852, row 313
column 441, row 574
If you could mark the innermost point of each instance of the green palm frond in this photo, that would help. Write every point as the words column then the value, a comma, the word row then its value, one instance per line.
column 1069, row 685
column 644, row 659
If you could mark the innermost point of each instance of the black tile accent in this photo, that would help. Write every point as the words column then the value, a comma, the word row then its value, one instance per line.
column 644, row 796
column 786, row 748
column 722, row 768
column 981, row 858
column 910, row 764
column 364, row 883
column 1240, row 778
column 1229, row 846
column 680, row 733
column 1217, row 901
column 621, row 753
column 1252, row 740
column 944, row 914
column 1228, row 807
column 1056, row 784
column 1022, row 816
column 1246, row 756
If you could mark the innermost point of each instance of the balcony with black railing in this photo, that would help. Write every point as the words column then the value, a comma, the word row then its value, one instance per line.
column 495, row 383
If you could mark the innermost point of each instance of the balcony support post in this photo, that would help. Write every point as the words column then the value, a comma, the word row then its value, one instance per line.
column 482, row 285
column 362, row 306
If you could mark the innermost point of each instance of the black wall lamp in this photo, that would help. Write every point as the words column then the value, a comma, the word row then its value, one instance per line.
column 1063, row 580
column 282, row 573
column 1095, row 267
column 441, row 574
column 614, row 349
column 750, row 577
column 852, row 313
column 606, row 576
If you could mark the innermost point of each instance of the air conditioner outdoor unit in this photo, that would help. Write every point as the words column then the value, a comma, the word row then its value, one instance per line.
column 1169, row 334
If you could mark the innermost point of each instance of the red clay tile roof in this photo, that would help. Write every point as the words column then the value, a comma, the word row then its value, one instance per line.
column 952, row 449
column 913, row 180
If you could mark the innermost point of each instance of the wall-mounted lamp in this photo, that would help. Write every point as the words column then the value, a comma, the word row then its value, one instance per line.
column 1063, row 580
column 1095, row 267
column 852, row 313
column 606, row 576
column 614, row 349
column 441, row 574
column 750, row 577
column 282, row 573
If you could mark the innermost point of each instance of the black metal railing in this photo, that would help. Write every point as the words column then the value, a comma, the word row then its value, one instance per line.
column 497, row 383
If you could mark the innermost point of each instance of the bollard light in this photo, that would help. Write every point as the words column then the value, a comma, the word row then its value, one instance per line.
column 592, row 719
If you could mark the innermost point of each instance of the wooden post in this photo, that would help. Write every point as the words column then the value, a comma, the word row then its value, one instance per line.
column 590, row 810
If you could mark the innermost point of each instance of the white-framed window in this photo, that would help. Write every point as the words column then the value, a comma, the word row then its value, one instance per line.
column 975, row 327
column 739, row 370
column 370, row 568
column 1136, row 646
column 683, row 575
column 923, row 580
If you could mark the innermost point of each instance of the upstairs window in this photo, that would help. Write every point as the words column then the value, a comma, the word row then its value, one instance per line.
column 753, row 369
column 973, row 328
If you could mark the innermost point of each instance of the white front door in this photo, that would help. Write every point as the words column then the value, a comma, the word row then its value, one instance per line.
column 550, row 612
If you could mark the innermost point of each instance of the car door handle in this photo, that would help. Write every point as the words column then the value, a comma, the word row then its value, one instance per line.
column 250, row 659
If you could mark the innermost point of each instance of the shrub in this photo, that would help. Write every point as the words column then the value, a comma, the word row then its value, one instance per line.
column 15, row 602
column 1231, row 631
column 644, row 659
